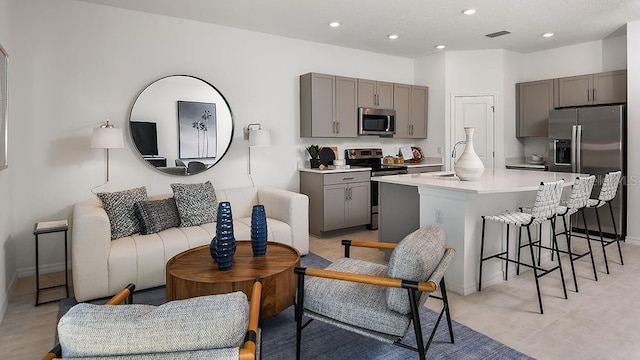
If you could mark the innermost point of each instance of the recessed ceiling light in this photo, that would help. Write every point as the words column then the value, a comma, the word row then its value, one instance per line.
column 440, row 47
column 548, row 35
column 334, row 24
column 469, row 11
column 393, row 36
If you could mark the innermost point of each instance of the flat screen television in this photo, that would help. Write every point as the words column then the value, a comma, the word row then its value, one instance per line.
column 145, row 136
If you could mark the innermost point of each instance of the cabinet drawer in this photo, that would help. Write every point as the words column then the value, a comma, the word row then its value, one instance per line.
column 346, row 177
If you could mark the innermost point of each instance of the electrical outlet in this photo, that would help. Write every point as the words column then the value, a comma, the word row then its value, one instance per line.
column 439, row 217
column 440, row 150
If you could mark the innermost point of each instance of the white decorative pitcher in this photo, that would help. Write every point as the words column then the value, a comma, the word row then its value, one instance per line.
column 469, row 167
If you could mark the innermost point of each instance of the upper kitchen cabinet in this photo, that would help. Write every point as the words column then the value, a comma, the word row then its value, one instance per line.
column 593, row 89
column 410, row 103
column 375, row 94
column 534, row 99
column 328, row 106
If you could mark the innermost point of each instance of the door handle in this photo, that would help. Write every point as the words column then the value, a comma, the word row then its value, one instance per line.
column 578, row 147
column 594, row 95
column 573, row 148
column 337, row 127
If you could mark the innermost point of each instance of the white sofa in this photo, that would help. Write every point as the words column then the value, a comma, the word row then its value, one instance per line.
column 102, row 267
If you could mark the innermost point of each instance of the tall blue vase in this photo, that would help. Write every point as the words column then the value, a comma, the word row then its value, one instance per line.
column 225, row 240
column 259, row 231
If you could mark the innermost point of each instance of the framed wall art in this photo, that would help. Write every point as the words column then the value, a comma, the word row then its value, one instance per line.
column 4, row 63
column 197, row 129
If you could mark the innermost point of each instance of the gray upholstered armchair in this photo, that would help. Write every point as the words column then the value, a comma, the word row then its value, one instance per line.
column 377, row 300
column 206, row 327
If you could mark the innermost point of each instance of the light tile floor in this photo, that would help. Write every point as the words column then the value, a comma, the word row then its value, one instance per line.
column 602, row 321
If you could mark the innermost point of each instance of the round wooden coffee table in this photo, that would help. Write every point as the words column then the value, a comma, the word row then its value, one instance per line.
column 193, row 273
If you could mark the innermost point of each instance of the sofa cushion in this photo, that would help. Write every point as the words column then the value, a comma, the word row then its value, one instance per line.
column 196, row 203
column 156, row 215
column 119, row 208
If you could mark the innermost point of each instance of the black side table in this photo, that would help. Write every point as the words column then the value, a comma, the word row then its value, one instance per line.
column 46, row 228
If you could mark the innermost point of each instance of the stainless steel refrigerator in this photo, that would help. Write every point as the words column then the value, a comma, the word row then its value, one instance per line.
column 592, row 140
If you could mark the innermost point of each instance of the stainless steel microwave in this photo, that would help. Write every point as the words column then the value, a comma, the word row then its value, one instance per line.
column 380, row 122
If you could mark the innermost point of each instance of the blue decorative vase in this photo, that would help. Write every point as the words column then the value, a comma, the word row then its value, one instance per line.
column 225, row 240
column 259, row 231
column 213, row 248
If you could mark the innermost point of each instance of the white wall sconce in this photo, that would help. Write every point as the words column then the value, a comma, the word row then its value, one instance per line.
column 258, row 137
column 107, row 137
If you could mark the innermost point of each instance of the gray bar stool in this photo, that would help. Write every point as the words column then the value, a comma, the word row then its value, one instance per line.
column 607, row 194
column 577, row 202
column 544, row 208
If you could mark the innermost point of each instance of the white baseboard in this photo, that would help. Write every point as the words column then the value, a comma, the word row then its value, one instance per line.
column 632, row 240
column 44, row 269
column 4, row 301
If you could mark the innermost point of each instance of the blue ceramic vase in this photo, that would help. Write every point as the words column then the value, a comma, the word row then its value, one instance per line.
column 225, row 240
column 213, row 248
column 259, row 231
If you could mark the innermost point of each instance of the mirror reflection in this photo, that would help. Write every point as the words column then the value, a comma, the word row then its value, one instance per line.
column 181, row 125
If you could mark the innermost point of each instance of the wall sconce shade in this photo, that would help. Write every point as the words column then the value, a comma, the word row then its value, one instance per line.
column 107, row 137
column 257, row 137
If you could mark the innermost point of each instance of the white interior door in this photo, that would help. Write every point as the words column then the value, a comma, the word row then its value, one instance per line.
column 479, row 112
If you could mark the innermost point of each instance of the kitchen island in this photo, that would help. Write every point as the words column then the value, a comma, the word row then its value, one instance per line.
column 410, row 201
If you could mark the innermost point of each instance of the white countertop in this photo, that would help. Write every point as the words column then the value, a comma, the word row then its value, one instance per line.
column 332, row 171
column 492, row 181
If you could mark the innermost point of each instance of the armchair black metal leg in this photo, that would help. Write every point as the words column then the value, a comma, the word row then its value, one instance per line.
column 557, row 250
column 593, row 263
column 481, row 255
column 417, row 327
column 535, row 269
column 602, row 241
column 445, row 300
column 299, row 310
column 615, row 231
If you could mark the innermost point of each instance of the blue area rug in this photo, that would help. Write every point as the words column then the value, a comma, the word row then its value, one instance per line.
column 323, row 341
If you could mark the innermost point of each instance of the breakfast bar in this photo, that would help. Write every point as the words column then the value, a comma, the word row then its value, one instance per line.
column 410, row 201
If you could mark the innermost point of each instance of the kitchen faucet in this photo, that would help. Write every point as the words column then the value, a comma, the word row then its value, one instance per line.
column 453, row 152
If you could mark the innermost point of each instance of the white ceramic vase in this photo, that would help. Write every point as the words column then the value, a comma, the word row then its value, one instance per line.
column 469, row 167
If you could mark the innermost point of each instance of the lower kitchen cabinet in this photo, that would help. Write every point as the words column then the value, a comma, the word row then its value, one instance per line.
column 337, row 200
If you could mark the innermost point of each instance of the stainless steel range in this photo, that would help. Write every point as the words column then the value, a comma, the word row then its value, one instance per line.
column 372, row 157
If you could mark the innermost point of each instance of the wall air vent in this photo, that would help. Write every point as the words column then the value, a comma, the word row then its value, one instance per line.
column 499, row 33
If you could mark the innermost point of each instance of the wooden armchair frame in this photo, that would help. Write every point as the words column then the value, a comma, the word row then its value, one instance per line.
column 413, row 288
column 248, row 349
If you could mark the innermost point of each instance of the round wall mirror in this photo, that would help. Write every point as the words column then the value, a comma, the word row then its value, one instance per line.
column 181, row 125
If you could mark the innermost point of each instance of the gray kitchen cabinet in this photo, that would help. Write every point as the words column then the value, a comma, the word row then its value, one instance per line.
column 410, row 103
column 337, row 200
column 534, row 99
column 328, row 106
column 375, row 94
column 592, row 89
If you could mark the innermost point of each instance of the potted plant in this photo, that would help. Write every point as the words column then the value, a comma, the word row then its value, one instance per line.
column 314, row 152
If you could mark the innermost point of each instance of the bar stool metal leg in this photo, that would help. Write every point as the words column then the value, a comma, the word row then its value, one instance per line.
column 481, row 254
column 604, row 250
column 555, row 245
column 615, row 231
column 506, row 265
column 535, row 269
column 568, row 237
column 593, row 263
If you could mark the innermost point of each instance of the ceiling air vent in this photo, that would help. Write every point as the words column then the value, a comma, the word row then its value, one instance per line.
column 499, row 33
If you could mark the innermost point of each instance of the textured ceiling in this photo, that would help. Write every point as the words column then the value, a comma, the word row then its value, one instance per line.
column 421, row 24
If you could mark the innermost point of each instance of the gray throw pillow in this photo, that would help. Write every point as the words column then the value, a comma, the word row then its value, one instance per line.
column 156, row 215
column 196, row 203
column 119, row 208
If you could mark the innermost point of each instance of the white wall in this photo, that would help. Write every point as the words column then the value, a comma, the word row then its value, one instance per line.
column 430, row 71
column 633, row 128
column 7, row 248
column 80, row 63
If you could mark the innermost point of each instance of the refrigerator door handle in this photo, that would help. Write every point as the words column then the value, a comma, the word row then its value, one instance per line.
column 578, row 150
column 573, row 148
